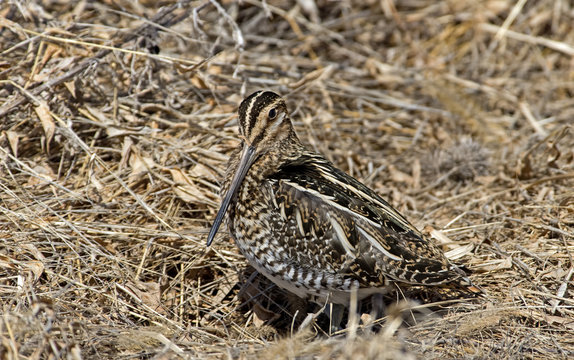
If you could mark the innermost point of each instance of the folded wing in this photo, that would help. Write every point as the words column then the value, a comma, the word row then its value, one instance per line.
column 371, row 241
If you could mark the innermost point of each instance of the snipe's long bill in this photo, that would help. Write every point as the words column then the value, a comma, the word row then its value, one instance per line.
column 311, row 228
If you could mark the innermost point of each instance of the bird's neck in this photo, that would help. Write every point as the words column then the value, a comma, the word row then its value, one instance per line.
column 285, row 151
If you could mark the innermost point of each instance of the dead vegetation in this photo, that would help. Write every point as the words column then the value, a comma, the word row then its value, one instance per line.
column 118, row 117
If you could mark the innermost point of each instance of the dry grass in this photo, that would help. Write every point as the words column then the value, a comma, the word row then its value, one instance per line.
column 458, row 112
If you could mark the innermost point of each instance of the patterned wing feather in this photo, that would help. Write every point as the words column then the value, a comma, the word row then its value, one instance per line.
column 371, row 238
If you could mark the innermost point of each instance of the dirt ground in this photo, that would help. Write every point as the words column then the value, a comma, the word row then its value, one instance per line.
column 118, row 117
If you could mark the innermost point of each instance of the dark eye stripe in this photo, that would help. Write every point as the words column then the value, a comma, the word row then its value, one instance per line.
column 246, row 120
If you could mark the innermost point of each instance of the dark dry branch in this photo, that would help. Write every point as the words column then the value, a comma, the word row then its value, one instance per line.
column 459, row 113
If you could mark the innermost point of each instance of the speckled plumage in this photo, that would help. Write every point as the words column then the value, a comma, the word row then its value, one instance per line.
column 311, row 228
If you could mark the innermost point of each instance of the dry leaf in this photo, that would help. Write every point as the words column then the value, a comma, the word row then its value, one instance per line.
column 459, row 251
column 71, row 86
column 568, row 322
column 227, row 284
column 42, row 174
column 148, row 292
column 198, row 82
column 33, row 266
column 437, row 235
column 13, row 139
column 263, row 315
column 6, row 262
column 51, row 51
column 493, row 265
column 186, row 190
column 36, row 267
column 43, row 112
column 202, row 171
column 400, row 177
column 34, row 251
column 126, row 151
column 139, row 164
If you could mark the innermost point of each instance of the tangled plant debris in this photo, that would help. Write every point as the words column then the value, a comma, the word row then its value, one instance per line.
column 118, row 119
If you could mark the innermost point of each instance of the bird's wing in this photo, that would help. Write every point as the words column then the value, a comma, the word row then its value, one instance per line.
column 374, row 238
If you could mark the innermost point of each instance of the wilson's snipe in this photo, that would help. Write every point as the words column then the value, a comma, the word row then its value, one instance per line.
column 311, row 228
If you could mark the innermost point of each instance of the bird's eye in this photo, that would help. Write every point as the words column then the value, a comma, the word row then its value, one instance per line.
column 272, row 113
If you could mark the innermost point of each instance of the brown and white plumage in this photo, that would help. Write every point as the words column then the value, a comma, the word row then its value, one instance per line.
column 311, row 228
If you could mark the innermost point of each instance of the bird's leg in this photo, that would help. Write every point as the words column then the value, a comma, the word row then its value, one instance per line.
column 336, row 312
column 377, row 306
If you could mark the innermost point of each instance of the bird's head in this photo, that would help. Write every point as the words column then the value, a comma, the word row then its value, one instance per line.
column 265, row 126
column 263, row 120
